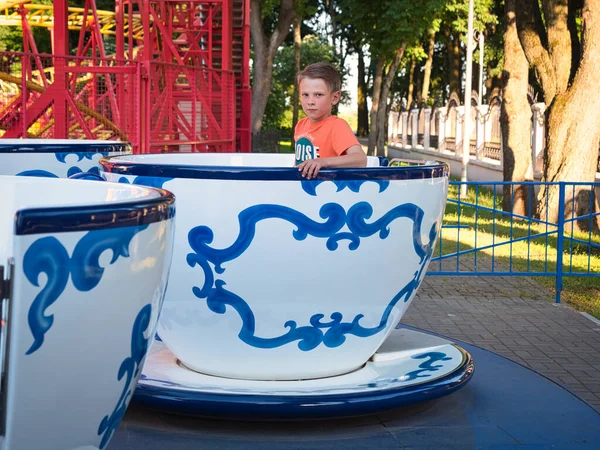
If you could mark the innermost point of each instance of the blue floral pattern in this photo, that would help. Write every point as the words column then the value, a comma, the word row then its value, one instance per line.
column 75, row 170
column 130, row 368
column 48, row 255
column 427, row 367
column 61, row 157
column 156, row 182
column 331, row 332
column 37, row 173
column 310, row 186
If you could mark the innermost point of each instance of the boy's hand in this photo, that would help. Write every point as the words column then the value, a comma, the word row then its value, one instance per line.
column 310, row 167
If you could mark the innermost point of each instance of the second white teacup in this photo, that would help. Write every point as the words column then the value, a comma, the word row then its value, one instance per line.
column 276, row 277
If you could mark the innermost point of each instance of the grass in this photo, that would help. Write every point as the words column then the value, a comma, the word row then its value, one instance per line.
column 490, row 237
column 285, row 146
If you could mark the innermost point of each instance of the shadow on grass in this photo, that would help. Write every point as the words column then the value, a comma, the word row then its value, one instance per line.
column 506, row 228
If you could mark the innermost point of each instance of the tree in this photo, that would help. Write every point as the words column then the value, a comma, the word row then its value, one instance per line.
column 341, row 33
column 411, row 83
column 494, row 51
column 413, row 56
column 346, row 40
column 303, row 8
column 387, row 27
column 11, row 39
column 361, row 95
column 267, row 36
column 454, row 55
column 515, row 117
column 297, row 66
column 281, row 99
column 435, row 27
column 454, row 19
column 565, row 58
column 378, row 116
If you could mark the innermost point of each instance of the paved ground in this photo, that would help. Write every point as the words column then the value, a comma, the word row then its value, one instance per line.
column 517, row 318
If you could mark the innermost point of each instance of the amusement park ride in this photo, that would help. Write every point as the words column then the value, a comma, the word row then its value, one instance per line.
column 178, row 80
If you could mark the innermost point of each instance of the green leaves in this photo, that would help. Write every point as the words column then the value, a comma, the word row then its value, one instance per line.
column 456, row 12
column 313, row 50
column 284, row 74
column 386, row 24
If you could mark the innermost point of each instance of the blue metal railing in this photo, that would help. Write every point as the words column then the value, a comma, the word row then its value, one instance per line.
column 479, row 238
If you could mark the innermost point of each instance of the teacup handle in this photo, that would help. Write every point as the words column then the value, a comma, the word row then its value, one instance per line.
column 383, row 161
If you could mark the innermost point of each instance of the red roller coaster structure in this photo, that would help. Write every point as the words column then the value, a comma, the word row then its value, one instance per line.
column 178, row 81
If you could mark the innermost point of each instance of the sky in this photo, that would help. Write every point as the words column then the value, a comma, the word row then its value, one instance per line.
column 350, row 84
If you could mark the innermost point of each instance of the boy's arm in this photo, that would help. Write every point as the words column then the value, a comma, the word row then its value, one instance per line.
column 352, row 157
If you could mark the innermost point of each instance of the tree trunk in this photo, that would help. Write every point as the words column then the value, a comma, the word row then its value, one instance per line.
column 361, row 96
column 265, row 49
column 411, row 83
column 418, row 85
column 385, row 89
column 454, row 63
column 330, row 5
column 377, row 79
column 428, row 65
column 261, row 87
column 493, row 86
column 515, row 119
column 572, row 143
column 296, row 94
column 572, row 131
column 574, row 31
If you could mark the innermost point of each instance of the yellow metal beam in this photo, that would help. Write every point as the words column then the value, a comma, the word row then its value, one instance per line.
column 43, row 16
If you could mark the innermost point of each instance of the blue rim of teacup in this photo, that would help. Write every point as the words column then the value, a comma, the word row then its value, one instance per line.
column 28, row 146
column 429, row 170
column 136, row 212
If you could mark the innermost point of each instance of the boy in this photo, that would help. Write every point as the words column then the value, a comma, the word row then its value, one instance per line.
column 323, row 140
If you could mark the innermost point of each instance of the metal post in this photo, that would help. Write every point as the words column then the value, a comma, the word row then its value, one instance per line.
column 60, row 52
column 537, row 147
column 467, row 116
column 480, row 40
column 245, row 129
column 414, row 127
column 560, row 229
column 480, row 131
column 442, row 115
column 404, row 128
column 427, row 128
column 25, row 70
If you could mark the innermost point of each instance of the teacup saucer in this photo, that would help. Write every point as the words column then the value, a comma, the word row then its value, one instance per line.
column 410, row 367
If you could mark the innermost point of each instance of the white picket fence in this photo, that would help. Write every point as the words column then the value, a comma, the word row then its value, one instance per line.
column 441, row 129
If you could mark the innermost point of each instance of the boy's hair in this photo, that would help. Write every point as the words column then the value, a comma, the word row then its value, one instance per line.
column 325, row 72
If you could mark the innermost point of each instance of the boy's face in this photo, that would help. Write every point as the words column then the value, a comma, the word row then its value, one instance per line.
column 316, row 98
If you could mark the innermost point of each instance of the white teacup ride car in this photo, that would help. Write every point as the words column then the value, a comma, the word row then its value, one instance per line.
column 84, row 267
column 56, row 158
column 283, row 289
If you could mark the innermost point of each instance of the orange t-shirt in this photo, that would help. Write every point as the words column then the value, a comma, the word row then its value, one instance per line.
column 325, row 139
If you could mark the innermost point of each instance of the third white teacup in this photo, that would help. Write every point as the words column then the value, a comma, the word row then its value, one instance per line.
column 56, row 158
